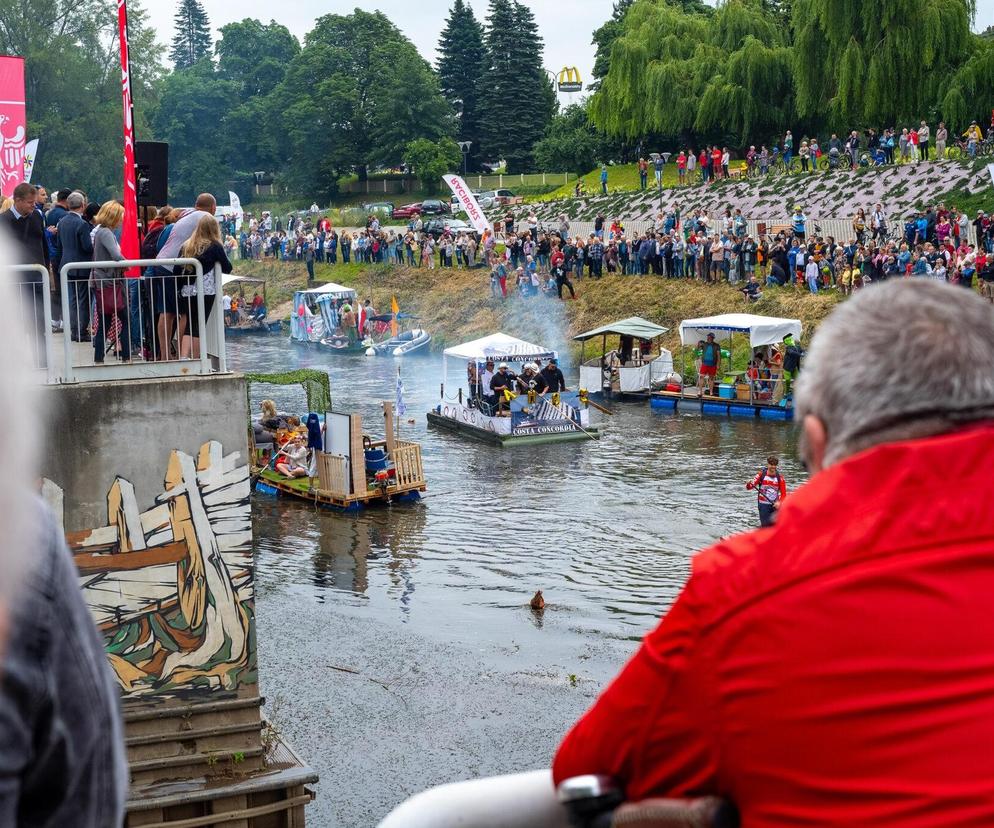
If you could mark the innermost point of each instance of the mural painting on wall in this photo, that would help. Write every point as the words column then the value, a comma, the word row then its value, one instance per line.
column 171, row 588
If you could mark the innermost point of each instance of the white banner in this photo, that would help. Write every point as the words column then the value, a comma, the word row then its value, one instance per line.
column 469, row 203
column 236, row 205
column 30, row 152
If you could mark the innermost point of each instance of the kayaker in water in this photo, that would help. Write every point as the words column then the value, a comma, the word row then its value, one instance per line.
column 771, row 489
column 836, row 668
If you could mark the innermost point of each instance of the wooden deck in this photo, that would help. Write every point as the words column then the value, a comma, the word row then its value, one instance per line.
column 334, row 488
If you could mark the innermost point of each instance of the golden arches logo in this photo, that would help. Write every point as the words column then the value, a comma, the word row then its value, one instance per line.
column 569, row 79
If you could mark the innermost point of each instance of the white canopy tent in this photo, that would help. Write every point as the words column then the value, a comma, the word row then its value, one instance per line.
column 762, row 330
column 498, row 347
column 303, row 330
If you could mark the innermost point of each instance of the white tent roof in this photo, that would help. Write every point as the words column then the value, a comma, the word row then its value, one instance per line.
column 499, row 346
column 328, row 287
column 228, row 278
column 762, row 330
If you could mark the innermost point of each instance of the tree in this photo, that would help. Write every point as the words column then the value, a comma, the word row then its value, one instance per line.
column 682, row 74
column 355, row 95
column 73, row 86
column 462, row 58
column 192, row 40
column 430, row 160
column 253, row 58
column 190, row 99
column 521, row 96
column 571, row 144
column 885, row 64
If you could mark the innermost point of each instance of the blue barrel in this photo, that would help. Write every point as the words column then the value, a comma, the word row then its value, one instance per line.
column 376, row 460
column 742, row 411
column 668, row 403
column 776, row 413
column 715, row 408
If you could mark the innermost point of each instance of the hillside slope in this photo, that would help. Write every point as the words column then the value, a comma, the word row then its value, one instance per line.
column 824, row 195
column 455, row 305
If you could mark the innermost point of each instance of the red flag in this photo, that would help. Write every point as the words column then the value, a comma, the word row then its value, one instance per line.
column 12, row 124
column 129, row 231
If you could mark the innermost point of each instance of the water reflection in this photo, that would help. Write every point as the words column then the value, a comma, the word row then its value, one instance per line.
column 605, row 529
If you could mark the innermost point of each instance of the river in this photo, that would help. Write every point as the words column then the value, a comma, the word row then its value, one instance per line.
column 396, row 646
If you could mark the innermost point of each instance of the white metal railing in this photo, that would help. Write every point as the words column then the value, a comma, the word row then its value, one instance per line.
column 142, row 318
column 131, row 302
column 34, row 307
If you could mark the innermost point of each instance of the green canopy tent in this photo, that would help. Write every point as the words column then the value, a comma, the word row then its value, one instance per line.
column 631, row 369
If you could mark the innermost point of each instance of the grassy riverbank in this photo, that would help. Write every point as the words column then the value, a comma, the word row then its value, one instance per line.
column 455, row 305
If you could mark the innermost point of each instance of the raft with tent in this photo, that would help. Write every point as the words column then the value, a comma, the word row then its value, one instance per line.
column 516, row 419
column 350, row 468
column 633, row 369
column 740, row 393
column 316, row 320
column 249, row 322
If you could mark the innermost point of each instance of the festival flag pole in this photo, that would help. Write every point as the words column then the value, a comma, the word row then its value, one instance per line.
column 129, row 230
column 401, row 405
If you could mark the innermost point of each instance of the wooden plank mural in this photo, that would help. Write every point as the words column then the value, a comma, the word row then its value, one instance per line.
column 171, row 587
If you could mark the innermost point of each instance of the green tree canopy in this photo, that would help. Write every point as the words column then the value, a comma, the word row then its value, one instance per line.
column 355, row 95
column 571, row 144
column 877, row 63
column 461, row 59
column 430, row 160
column 674, row 72
column 521, row 100
column 191, row 101
column 192, row 40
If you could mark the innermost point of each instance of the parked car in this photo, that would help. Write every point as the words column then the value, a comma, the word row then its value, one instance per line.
column 384, row 207
column 487, row 198
column 438, row 226
column 504, row 197
column 408, row 210
column 433, row 207
column 428, row 207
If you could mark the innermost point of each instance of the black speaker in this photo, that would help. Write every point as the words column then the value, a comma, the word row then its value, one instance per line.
column 152, row 161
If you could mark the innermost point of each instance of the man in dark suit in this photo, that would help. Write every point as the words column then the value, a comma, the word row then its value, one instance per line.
column 73, row 244
column 25, row 227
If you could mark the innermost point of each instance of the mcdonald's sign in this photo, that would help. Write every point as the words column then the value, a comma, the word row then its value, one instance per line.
column 569, row 79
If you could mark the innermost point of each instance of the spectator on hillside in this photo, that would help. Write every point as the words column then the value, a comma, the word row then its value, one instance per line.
column 604, row 179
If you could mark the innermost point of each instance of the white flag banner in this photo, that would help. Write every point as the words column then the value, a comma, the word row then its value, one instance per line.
column 236, row 205
column 990, row 169
column 469, row 203
column 30, row 152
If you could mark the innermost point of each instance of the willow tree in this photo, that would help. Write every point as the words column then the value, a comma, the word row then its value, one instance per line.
column 970, row 89
column 877, row 63
column 674, row 71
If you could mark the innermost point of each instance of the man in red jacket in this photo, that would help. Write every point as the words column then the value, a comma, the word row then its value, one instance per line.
column 837, row 668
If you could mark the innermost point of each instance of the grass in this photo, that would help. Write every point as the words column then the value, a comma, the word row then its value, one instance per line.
column 455, row 305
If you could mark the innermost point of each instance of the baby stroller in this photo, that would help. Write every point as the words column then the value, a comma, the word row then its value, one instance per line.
column 834, row 158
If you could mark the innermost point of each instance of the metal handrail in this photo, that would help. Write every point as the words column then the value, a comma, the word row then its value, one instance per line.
column 46, row 301
column 69, row 374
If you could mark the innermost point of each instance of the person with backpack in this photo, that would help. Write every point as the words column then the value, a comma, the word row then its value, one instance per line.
column 771, row 490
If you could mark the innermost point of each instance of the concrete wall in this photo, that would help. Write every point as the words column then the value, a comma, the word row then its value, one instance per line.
column 100, row 431
column 151, row 481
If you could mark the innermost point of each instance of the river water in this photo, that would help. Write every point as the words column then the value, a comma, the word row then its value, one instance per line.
column 605, row 528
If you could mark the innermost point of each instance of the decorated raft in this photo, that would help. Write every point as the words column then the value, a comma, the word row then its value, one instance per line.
column 316, row 320
column 738, row 394
column 522, row 419
column 350, row 469
column 251, row 323
column 630, row 371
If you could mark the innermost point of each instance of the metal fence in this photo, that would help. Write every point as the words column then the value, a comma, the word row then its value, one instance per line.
column 120, row 325
column 492, row 182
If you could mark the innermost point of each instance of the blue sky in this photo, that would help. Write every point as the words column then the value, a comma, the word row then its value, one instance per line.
column 564, row 26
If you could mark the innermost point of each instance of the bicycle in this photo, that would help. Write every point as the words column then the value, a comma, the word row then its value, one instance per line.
column 782, row 167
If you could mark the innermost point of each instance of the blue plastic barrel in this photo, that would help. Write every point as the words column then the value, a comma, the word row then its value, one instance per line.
column 376, row 460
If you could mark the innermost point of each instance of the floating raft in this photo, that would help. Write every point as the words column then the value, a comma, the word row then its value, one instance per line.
column 569, row 433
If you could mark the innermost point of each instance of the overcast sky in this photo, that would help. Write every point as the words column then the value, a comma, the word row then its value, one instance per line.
column 565, row 25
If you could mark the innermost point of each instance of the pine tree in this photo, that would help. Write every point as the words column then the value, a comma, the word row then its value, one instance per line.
column 462, row 59
column 192, row 41
column 520, row 95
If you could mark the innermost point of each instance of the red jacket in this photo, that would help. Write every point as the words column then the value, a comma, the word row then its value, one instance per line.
column 835, row 669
